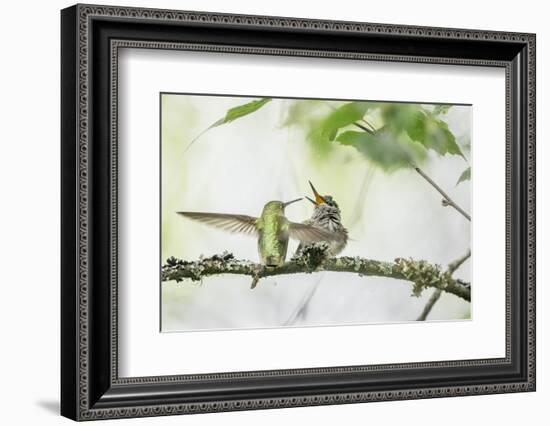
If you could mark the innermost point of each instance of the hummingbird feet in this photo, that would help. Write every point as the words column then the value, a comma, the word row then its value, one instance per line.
column 312, row 256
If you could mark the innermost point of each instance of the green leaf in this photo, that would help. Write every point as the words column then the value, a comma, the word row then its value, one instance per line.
column 441, row 109
column 402, row 117
column 343, row 116
column 308, row 115
column 232, row 115
column 302, row 112
column 435, row 134
column 466, row 175
column 319, row 143
column 241, row 111
column 422, row 127
column 383, row 148
column 332, row 134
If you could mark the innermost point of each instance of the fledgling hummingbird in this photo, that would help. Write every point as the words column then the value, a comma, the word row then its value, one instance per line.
column 326, row 215
column 272, row 229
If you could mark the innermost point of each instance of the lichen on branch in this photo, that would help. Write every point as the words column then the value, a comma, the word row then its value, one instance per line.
column 420, row 273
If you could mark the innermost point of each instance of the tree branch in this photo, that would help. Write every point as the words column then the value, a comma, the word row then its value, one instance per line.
column 419, row 272
column 453, row 266
column 447, row 201
column 437, row 293
column 429, row 305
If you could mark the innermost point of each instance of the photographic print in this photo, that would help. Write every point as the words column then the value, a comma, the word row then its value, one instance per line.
column 285, row 212
column 291, row 212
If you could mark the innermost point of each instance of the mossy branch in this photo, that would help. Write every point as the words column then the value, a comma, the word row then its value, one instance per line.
column 453, row 266
column 419, row 272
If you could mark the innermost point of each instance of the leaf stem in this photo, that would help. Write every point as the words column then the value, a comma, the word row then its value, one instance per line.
column 366, row 129
column 368, row 124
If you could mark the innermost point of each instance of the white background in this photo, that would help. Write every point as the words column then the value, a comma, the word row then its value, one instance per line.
column 142, row 346
column 29, row 233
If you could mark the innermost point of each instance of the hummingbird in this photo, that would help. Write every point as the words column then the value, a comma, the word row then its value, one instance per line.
column 272, row 229
column 326, row 215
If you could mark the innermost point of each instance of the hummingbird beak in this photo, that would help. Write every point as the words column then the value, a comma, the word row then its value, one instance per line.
column 318, row 198
column 290, row 202
column 311, row 201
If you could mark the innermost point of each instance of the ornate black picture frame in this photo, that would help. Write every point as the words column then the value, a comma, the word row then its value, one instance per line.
column 90, row 38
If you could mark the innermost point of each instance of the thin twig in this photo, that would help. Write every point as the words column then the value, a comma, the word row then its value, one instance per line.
column 437, row 292
column 255, row 280
column 361, row 197
column 429, row 305
column 447, row 201
column 301, row 310
column 453, row 266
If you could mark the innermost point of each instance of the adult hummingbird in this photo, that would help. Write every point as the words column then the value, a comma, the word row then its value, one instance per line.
column 272, row 230
column 326, row 215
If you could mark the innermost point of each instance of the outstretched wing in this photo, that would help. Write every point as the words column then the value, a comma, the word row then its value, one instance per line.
column 236, row 223
column 311, row 234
